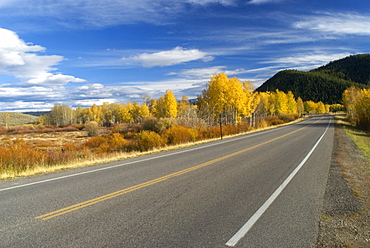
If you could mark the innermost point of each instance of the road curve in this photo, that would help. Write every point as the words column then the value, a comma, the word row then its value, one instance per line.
column 258, row 190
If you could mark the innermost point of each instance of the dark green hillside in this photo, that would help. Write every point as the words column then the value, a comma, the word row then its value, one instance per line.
column 14, row 119
column 354, row 68
column 325, row 83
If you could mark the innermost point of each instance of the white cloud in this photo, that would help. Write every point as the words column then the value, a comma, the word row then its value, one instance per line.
column 22, row 106
column 175, row 56
column 337, row 23
column 19, row 59
column 307, row 60
column 12, row 48
column 264, row 1
column 206, row 73
column 103, row 13
column 205, row 2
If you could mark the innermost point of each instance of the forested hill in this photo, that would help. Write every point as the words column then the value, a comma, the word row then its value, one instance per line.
column 325, row 83
column 355, row 68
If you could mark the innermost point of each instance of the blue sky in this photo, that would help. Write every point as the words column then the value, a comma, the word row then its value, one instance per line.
column 81, row 52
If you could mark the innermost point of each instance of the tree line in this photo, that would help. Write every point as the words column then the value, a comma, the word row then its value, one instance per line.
column 357, row 105
column 224, row 100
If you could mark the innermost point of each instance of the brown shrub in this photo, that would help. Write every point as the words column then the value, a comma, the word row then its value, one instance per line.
column 273, row 120
column 178, row 134
column 147, row 140
column 150, row 124
column 116, row 141
column 214, row 132
column 95, row 142
column 120, row 128
column 288, row 117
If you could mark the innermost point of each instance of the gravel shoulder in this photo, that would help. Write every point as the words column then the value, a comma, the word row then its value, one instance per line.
column 345, row 220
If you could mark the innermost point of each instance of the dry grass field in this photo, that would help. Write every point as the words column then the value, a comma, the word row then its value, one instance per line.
column 48, row 140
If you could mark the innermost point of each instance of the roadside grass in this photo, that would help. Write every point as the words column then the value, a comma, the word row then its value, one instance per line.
column 360, row 137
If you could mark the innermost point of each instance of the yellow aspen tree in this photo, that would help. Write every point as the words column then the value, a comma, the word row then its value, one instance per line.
column 153, row 108
column 263, row 103
column 271, row 103
column 95, row 113
column 86, row 115
column 349, row 98
column 216, row 92
column 144, row 110
column 362, row 108
column 281, row 102
column 135, row 112
column 309, row 107
column 183, row 106
column 168, row 105
column 236, row 100
column 300, row 106
column 117, row 115
column 125, row 113
column 320, row 108
column 292, row 103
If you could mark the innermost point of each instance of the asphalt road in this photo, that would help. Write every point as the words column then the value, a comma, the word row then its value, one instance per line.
column 258, row 190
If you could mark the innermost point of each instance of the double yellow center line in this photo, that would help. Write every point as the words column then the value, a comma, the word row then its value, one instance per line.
column 148, row 183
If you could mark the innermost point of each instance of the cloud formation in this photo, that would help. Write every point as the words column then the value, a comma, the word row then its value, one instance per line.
column 206, row 73
column 175, row 56
column 264, row 1
column 19, row 59
column 104, row 13
column 337, row 23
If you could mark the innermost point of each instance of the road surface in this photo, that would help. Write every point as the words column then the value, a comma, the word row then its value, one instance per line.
column 259, row 190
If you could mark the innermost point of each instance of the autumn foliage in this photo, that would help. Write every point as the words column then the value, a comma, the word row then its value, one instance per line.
column 227, row 105
column 357, row 104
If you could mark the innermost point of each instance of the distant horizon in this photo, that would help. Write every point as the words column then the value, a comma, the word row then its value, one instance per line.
column 82, row 53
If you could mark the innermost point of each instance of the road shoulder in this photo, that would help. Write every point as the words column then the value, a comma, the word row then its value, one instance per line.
column 345, row 214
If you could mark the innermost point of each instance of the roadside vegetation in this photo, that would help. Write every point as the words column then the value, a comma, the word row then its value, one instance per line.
column 74, row 137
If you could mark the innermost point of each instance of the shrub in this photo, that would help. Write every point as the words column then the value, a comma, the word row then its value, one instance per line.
column 147, row 140
column 214, row 132
column 92, row 128
column 130, row 135
column 288, row 117
column 116, row 141
column 230, row 129
column 150, row 124
column 165, row 123
column 178, row 134
column 120, row 128
column 244, row 126
column 96, row 142
column 18, row 157
column 262, row 124
column 273, row 120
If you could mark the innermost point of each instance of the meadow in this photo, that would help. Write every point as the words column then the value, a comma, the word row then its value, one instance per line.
column 32, row 149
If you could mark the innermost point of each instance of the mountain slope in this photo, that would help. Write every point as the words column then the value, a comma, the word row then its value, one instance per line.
column 13, row 119
column 325, row 83
column 354, row 68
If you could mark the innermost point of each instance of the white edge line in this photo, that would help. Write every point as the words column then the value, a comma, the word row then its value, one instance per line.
column 143, row 160
column 249, row 224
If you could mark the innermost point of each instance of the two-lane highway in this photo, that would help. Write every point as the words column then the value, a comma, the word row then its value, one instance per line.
column 258, row 190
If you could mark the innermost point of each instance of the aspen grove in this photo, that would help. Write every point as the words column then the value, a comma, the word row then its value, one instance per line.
column 226, row 106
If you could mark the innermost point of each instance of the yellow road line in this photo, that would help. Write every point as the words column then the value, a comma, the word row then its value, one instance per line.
column 148, row 183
